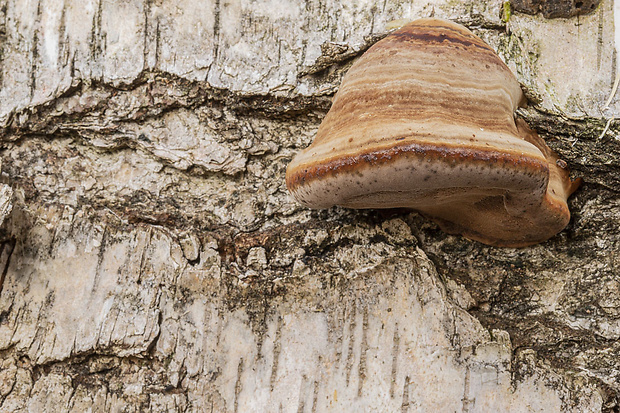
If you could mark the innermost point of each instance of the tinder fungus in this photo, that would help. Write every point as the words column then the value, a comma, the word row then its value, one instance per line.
column 425, row 119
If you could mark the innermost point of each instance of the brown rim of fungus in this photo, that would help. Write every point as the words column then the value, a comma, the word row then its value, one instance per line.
column 425, row 119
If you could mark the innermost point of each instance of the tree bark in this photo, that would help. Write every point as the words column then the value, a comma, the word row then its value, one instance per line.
column 152, row 259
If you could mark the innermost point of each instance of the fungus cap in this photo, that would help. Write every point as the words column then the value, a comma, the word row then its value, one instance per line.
column 425, row 119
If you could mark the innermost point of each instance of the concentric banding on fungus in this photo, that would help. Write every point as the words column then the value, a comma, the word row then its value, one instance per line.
column 425, row 119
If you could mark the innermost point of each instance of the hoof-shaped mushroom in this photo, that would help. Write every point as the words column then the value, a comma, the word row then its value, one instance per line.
column 425, row 119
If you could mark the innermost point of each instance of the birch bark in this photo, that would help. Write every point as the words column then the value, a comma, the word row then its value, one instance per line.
column 152, row 260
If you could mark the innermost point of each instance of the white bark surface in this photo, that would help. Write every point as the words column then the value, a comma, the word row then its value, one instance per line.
column 152, row 259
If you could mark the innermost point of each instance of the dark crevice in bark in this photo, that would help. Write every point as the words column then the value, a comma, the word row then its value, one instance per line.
column 216, row 30
column 579, row 142
column 554, row 9
column 35, row 52
column 46, row 119
column 6, row 251
column 97, row 39
column 3, row 40
column 152, row 347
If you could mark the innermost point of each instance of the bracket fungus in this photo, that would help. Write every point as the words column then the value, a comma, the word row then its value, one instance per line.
column 425, row 120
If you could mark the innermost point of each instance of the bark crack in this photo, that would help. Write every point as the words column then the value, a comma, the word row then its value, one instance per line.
column 238, row 385
column 3, row 40
column 276, row 354
column 97, row 38
column 6, row 251
column 216, row 35
column 363, row 353
column 145, row 38
column 351, row 347
column 35, row 52
column 395, row 349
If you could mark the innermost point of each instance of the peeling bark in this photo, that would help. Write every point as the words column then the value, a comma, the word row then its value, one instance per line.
column 152, row 259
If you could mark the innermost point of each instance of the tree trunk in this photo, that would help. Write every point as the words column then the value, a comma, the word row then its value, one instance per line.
column 152, row 259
